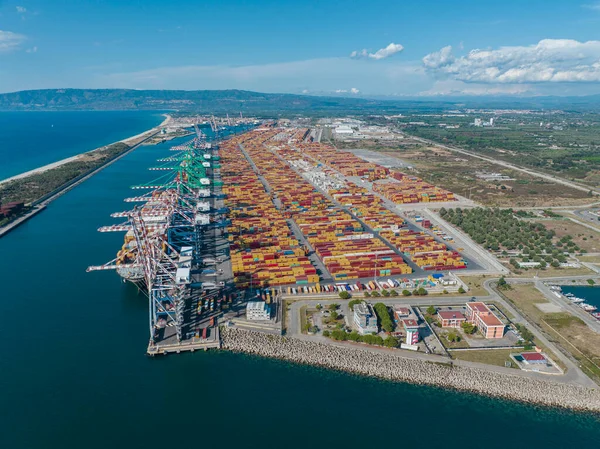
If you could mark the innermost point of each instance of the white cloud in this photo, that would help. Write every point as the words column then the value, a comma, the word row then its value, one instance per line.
column 550, row 60
column 10, row 41
column 21, row 9
column 382, row 53
column 324, row 75
column 593, row 6
column 354, row 90
column 31, row 50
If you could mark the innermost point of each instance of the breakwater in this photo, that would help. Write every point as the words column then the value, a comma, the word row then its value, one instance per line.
column 397, row 368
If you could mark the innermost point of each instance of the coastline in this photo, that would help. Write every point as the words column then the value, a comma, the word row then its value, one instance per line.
column 40, row 204
column 129, row 141
column 396, row 368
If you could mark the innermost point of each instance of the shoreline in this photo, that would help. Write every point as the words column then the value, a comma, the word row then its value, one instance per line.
column 40, row 204
column 396, row 368
column 56, row 164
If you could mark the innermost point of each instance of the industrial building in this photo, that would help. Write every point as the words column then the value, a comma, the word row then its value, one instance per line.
column 365, row 318
column 257, row 311
column 486, row 321
column 451, row 318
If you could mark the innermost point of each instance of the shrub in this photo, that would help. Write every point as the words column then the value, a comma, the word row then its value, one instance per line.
column 393, row 293
column 344, row 295
column 367, row 294
column 461, row 290
column 406, row 293
column 385, row 293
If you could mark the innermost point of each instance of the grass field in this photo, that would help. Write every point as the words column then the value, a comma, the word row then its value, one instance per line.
column 496, row 357
column 563, row 329
column 583, row 237
column 475, row 284
column 458, row 173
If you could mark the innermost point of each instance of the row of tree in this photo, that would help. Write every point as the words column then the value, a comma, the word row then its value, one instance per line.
column 342, row 335
column 383, row 315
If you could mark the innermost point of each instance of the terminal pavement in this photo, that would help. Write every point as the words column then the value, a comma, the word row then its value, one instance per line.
column 573, row 374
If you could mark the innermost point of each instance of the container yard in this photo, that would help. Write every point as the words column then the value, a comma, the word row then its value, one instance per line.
column 261, row 214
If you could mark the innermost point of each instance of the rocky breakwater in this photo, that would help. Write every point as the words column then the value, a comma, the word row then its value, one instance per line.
column 395, row 367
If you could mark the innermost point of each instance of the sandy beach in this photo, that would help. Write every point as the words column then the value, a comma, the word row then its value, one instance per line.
column 129, row 141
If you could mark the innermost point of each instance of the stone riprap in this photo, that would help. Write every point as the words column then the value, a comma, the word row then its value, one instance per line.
column 395, row 367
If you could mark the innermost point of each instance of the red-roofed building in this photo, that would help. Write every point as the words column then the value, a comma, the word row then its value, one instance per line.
column 533, row 358
column 451, row 318
column 486, row 321
column 412, row 331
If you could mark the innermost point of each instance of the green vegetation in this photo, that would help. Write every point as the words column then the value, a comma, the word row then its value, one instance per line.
column 500, row 230
column 384, row 317
column 591, row 282
column 566, row 144
column 341, row 335
column 352, row 303
column 453, row 337
column 344, row 295
column 431, row 310
column 36, row 186
column 406, row 292
column 461, row 290
column 468, row 328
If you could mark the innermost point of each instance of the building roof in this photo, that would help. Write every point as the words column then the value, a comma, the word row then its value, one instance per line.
column 532, row 356
column 410, row 323
column 256, row 305
column 485, row 314
column 451, row 315
column 491, row 320
column 479, row 306
column 405, row 311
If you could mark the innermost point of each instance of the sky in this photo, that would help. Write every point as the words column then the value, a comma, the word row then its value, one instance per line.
column 349, row 48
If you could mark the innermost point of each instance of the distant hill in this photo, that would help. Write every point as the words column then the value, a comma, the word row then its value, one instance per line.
column 233, row 101
column 198, row 101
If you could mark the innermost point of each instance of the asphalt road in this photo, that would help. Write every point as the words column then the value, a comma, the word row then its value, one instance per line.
column 573, row 375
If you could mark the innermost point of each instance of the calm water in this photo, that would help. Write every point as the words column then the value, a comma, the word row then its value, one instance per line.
column 591, row 294
column 32, row 139
column 73, row 373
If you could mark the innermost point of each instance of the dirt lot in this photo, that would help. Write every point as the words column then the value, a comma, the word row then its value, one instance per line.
column 563, row 329
column 583, row 237
column 458, row 173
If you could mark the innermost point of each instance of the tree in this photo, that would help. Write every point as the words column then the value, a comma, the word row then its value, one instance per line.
column 405, row 292
column 390, row 342
column 352, row 303
column 376, row 294
column 333, row 306
column 393, row 293
column 469, row 328
column 319, row 307
column 502, row 284
column 422, row 291
column 344, row 295
column 385, row 293
column 366, row 294
column 453, row 336
column 334, row 316
column 461, row 290
column 326, row 333
column 383, row 315
column 431, row 310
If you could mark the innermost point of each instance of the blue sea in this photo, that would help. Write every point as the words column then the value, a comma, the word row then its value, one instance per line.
column 74, row 374
column 591, row 294
column 29, row 140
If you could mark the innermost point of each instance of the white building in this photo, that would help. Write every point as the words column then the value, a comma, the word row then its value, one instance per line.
column 365, row 318
column 257, row 311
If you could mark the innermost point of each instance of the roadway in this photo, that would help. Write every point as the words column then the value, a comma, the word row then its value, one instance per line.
column 552, row 178
column 573, row 374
